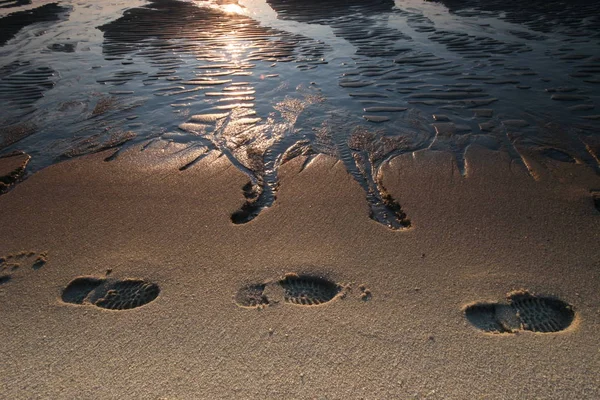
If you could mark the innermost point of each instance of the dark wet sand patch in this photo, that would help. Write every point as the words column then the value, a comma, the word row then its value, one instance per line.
column 384, row 109
column 13, row 23
column 557, row 155
column 21, row 86
column 14, row 3
column 376, row 118
column 12, row 169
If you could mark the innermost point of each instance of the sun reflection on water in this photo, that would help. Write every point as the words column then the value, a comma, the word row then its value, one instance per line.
column 226, row 6
column 232, row 8
column 234, row 48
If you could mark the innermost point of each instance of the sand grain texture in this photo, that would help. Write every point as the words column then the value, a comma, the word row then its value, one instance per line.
column 473, row 239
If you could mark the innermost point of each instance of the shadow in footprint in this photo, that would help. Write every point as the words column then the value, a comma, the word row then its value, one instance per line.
column 490, row 317
column 596, row 199
column 78, row 290
column 110, row 294
column 524, row 311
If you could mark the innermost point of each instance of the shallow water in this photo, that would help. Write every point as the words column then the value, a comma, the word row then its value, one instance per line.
column 262, row 82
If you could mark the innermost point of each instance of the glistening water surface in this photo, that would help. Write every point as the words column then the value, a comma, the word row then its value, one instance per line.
column 262, row 82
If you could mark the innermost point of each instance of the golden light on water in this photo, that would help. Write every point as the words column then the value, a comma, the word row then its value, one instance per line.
column 232, row 9
column 234, row 49
column 226, row 6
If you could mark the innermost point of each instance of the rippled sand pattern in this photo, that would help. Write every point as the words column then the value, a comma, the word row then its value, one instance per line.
column 364, row 81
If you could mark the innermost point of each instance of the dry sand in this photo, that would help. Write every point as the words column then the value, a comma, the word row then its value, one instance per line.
column 474, row 238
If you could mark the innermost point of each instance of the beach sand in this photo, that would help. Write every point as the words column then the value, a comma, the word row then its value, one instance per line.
column 397, row 329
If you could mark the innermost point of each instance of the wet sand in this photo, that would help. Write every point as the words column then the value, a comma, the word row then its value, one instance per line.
column 396, row 329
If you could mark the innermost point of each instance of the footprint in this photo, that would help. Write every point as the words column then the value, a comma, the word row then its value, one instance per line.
column 128, row 293
column 252, row 296
column 542, row 314
column 491, row 317
column 307, row 290
column 110, row 294
column 524, row 311
column 12, row 263
column 302, row 290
